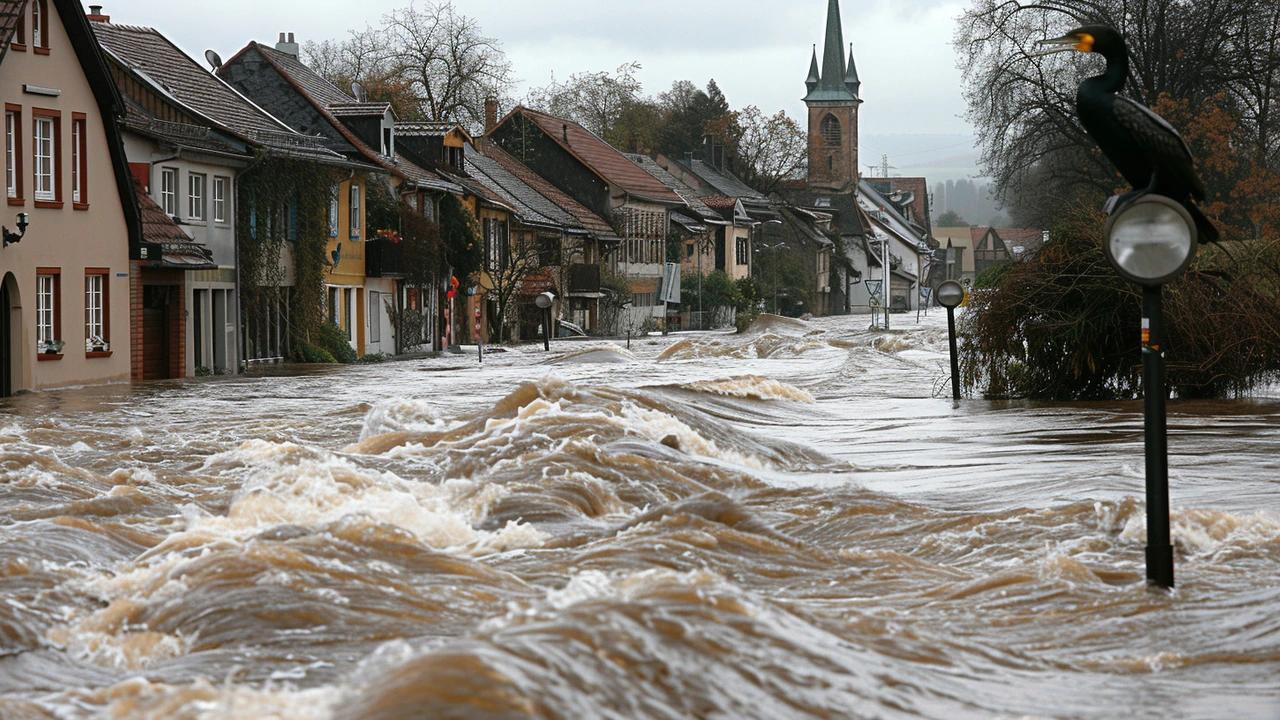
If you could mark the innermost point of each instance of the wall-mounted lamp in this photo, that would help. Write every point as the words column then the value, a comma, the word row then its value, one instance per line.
column 11, row 237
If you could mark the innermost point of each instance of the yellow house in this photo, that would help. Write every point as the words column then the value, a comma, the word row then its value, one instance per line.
column 345, row 279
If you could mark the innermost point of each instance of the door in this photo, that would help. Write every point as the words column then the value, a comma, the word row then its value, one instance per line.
column 720, row 248
column 155, row 332
column 6, row 343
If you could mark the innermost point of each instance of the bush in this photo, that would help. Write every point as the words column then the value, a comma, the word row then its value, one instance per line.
column 1063, row 325
column 334, row 340
column 373, row 359
column 308, row 353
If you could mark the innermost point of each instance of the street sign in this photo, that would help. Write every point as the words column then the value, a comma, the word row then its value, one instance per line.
column 670, row 290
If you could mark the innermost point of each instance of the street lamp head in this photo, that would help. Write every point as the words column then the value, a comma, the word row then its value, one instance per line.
column 1150, row 241
column 22, row 220
column 544, row 300
column 950, row 294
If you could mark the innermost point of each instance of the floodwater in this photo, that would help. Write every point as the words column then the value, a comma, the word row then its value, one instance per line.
column 780, row 524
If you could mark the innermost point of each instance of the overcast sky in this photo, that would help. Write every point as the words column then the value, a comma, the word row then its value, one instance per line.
column 757, row 50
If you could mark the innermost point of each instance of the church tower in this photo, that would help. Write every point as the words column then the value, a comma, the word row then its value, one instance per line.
column 833, row 111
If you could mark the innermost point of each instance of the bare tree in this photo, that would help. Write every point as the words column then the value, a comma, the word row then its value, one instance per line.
column 1203, row 52
column 770, row 149
column 447, row 60
column 594, row 100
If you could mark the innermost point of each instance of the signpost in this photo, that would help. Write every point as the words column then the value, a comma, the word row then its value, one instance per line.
column 670, row 290
column 1151, row 241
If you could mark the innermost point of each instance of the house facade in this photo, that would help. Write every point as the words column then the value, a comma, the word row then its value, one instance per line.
column 65, row 293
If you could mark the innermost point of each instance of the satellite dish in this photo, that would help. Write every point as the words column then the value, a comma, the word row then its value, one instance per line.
column 212, row 58
column 358, row 91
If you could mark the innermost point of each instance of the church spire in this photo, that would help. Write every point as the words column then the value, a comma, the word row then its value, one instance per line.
column 851, row 80
column 833, row 49
column 814, row 77
column 832, row 85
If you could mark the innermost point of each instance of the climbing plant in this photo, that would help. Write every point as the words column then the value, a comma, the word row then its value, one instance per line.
column 283, row 201
column 460, row 233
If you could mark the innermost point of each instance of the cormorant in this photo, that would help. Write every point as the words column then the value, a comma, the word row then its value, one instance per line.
column 1144, row 147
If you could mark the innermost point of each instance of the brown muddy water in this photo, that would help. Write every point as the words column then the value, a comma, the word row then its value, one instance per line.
column 782, row 524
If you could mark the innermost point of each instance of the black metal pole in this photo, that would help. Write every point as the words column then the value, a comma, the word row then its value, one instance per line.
column 955, row 356
column 546, row 329
column 1159, row 545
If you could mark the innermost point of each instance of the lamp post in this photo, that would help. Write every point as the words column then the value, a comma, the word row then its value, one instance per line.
column 1151, row 241
column 950, row 295
column 543, row 301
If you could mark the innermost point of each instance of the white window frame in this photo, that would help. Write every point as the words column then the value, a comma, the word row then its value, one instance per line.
column 169, row 191
column 75, row 159
column 373, row 299
column 46, row 306
column 37, row 24
column 46, row 170
column 11, row 152
column 197, row 184
column 220, row 184
column 95, row 307
column 334, row 208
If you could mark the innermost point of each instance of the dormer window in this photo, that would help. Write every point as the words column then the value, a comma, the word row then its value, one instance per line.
column 388, row 142
column 453, row 157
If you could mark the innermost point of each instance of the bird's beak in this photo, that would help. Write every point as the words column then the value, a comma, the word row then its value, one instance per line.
column 1065, row 43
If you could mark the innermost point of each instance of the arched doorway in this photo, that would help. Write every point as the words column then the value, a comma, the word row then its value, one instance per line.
column 10, row 336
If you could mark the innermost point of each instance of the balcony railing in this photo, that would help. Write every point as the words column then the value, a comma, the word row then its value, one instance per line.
column 383, row 257
column 584, row 278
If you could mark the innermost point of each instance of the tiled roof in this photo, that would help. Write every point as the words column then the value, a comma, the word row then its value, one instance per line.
column 977, row 233
column 725, row 183
column 424, row 129
column 152, row 56
column 686, row 193
column 588, row 221
column 532, row 207
column 177, row 249
column 322, row 91
column 197, row 137
column 721, row 202
column 10, row 11
column 358, row 109
column 601, row 157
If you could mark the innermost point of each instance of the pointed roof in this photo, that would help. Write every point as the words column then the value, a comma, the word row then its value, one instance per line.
column 851, row 77
column 831, row 85
column 598, row 156
column 814, row 76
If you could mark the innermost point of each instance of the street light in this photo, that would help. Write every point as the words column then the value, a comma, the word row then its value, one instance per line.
column 950, row 295
column 10, row 237
column 1151, row 241
column 543, row 301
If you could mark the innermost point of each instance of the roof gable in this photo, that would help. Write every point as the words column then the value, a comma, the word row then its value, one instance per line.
column 586, row 219
column 598, row 156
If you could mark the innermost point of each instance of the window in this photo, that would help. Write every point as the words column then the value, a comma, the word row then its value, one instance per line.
column 79, row 162
column 48, row 311
column 348, row 302
column 335, row 315
column 333, row 211
column 220, row 198
column 96, row 318
column 20, row 34
column 48, row 155
column 549, row 254
column 830, row 131
column 13, row 153
column 355, row 211
column 744, row 251
column 495, row 245
column 169, row 191
column 195, row 196
column 40, row 26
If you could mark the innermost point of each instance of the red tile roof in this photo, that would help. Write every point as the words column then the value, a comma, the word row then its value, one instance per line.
column 10, row 11
column 150, row 54
column 601, row 157
column 591, row 222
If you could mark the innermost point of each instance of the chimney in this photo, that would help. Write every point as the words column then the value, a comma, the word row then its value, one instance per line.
column 490, row 114
column 287, row 46
column 95, row 14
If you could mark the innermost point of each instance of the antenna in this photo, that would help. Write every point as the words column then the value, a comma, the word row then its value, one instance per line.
column 358, row 91
column 212, row 58
column 885, row 167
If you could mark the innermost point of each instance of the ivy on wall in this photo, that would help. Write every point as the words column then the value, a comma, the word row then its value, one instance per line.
column 284, row 201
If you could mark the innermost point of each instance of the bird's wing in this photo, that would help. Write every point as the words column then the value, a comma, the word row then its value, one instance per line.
column 1157, row 137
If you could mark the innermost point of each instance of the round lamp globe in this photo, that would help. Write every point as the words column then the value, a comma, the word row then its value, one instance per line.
column 950, row 294
column 1150, row 241
column 544, row 300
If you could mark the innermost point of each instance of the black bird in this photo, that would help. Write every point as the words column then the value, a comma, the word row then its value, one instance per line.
column 1144, row 147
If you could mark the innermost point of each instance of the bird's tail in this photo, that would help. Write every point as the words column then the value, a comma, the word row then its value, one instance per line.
column 1205, row 227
